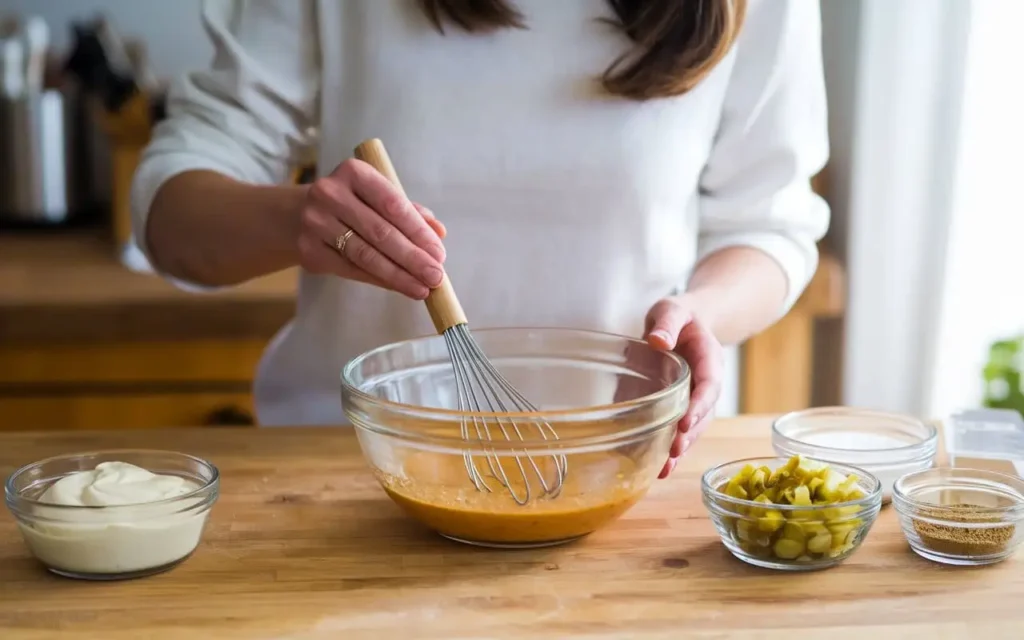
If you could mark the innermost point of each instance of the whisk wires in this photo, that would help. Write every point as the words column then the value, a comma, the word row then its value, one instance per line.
column 482, row 389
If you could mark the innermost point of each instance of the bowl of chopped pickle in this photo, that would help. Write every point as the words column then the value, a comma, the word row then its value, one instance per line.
column 793, row 514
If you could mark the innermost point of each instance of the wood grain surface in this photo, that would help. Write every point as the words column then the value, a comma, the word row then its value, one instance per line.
column 303, row 545
column 70, row 287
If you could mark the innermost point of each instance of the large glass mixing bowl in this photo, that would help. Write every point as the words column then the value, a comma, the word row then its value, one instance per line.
column 607, row 409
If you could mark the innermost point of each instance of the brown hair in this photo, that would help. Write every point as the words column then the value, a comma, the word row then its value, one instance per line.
column 676, row 43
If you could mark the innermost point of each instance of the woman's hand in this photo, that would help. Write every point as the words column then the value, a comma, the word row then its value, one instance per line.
column 672, row 325
column 393, row 243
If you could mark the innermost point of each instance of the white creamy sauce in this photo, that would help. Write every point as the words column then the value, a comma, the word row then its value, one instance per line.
column 115, row 483
column 127, row 528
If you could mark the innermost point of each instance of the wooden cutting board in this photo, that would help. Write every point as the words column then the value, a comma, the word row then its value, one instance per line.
column 303, row 545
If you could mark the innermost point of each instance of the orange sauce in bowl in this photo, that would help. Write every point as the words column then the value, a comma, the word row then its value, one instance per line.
column 436, row 490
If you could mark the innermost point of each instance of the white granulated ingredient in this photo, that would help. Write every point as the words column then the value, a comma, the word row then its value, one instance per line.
column 854, row 440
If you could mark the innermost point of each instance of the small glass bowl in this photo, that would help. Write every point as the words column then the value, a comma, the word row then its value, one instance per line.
column 961, row 516
column 115, row 542
column 614, row 403
column 886, row 445
column 753, row 538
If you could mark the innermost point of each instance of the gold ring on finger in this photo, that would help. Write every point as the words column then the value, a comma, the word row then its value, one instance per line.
column 342, row 240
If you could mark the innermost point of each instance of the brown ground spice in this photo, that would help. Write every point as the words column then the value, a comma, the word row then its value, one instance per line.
column 963, row 541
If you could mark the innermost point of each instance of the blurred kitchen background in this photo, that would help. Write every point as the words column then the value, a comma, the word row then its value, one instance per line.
column 913, row 309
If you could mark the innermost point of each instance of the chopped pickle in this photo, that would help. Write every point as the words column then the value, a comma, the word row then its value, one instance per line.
column 794, row 531
column 771, row 521
column 820, row 529
column 777, row 477
column 820, row 543
column 736, row 491
column 814, row 484
column 756, row 482
column 814, row 528
column 788, row 549
column 801, row 496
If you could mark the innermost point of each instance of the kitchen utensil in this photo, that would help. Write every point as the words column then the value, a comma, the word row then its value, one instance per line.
column 42, row 133
column 888, row 445
column 38, row 153
column 481, row 388
column 12, row 67
column 961, row 516
column 614, row 400
column 120, row 116
column 114, row 46
column 101, row 64
column 112, row 542
column 142, row 70
column 37, row 45
column 749, row 534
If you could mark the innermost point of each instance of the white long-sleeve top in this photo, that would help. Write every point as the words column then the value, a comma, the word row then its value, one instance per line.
column 564, row 206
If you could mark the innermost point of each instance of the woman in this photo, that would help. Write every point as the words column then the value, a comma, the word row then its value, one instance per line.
column 633, row 166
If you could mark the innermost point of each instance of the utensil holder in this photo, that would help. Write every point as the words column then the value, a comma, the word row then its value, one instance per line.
column 37, row 158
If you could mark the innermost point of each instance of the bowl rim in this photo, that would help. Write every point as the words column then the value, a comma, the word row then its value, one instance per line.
column 11, row 494
column 872, row 499
column 924, row 445
column 559, row 415
column 908, row 505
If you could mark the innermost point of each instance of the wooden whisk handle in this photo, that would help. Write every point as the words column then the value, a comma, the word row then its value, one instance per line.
column 442, row 303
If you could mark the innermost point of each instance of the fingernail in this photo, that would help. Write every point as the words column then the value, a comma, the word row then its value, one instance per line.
column 662, row 335
column 672, row 464
column 686, row 443
column 432, row 276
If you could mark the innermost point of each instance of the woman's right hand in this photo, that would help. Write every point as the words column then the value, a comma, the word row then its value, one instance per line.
column 395, row 243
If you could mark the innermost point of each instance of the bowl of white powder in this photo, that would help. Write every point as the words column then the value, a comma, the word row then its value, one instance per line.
column 113, row 515
column 886, row 445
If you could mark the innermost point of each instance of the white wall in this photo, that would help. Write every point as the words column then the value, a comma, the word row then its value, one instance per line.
column 170, row 28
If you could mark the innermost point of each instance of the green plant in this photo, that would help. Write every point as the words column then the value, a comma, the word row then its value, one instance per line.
column 1002, row 375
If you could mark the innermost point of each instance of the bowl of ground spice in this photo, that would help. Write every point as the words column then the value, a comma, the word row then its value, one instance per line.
column 961, row 516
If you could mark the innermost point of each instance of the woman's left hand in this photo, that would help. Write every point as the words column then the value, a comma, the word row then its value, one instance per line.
column 671, row 324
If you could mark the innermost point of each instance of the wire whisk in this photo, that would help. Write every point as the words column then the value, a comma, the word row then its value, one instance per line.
column 482, row 389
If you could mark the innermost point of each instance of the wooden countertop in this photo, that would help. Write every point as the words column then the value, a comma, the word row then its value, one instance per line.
column 303, row 544
column 70, row 286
